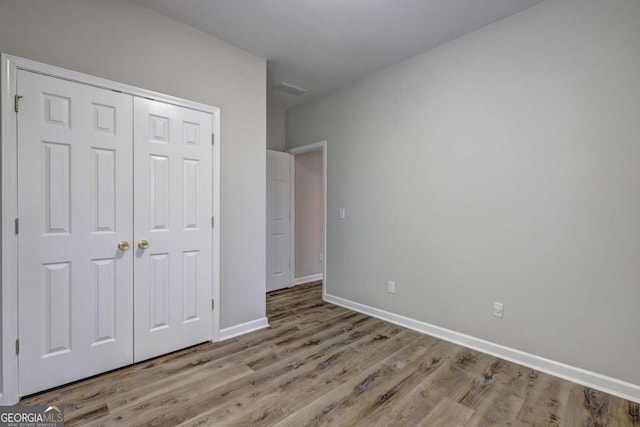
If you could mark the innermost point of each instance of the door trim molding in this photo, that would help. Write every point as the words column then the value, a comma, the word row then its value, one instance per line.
column 322, row 145
column 10, row 65
column 9, row 260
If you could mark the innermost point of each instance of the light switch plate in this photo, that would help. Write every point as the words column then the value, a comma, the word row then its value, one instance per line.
column 498, row 309
column 391, row 287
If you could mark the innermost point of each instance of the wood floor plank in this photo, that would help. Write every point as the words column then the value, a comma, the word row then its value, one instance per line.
column 494, row 395
column 332, row 408
column 307, row 315
column 328, row 371
column 295, row 364
column 320, row 364
column 447, row 413
column 266, row 407
column 322, row 380
column 153, row 403
column 623, row 413
column 545, row 404
column 93, row 392
column 222, row 373
column 393, row 404
column 498, row 409
column 313, row 336
column 586, row 406
column 453, row 379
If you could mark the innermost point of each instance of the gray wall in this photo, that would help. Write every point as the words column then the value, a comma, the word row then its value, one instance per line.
column 502, row 166
column 276, row 128
column 121, row 41
column 309, row 212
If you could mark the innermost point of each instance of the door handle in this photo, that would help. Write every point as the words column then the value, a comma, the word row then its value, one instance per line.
column 123, row 245
column 143, row 244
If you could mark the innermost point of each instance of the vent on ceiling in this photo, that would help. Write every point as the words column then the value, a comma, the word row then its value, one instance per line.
column 289, row 88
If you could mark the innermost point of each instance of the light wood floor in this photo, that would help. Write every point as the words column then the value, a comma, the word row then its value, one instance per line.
column 320, row 364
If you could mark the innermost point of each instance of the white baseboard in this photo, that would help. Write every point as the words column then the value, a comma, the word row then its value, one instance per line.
column 243, row 328
column 306, row 279
column 594, row 380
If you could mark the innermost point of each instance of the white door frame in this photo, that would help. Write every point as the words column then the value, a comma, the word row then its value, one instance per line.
column 322, row 145
column 10, row 65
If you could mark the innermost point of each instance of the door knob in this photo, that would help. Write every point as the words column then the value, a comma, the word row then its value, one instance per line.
column 123, row 245
column 143, row 244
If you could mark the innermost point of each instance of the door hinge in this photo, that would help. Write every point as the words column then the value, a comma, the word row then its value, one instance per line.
column 17, row 347
column 213, row 304
column 213, row 138
column 16, row 102
column 213, row 221
column 16, row 224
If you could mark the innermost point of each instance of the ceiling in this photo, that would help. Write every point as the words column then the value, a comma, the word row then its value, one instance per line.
column 323, row 45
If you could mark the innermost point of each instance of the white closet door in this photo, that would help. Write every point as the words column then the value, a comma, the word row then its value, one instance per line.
column 278, row 220
column 173, row 209
column 74, row 205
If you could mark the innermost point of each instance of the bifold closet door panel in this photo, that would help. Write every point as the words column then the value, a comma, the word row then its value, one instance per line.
column 75, row 204
column 173, row 232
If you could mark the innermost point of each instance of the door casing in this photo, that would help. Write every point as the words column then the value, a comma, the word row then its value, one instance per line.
column 9, row 196
column 322, row 145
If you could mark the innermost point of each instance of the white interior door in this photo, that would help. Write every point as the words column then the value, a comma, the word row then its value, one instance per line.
column 74, row 205
column 173, row 213
column 278, row 220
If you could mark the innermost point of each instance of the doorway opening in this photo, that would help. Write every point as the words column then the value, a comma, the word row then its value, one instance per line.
column 296, row 217
column 308, row 219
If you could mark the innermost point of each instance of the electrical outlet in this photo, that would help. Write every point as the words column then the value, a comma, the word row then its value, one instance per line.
column 342, row 213
column 498, row 309
column 321, row 257
column 391, row 287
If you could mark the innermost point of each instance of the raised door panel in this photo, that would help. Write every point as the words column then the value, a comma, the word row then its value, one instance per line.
column 159, row 192
column 190, row 285
column 104, row 300
column 158, row 292
column 191, row 194
column 103, row 190
column 57, row 306
column 57, row 187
